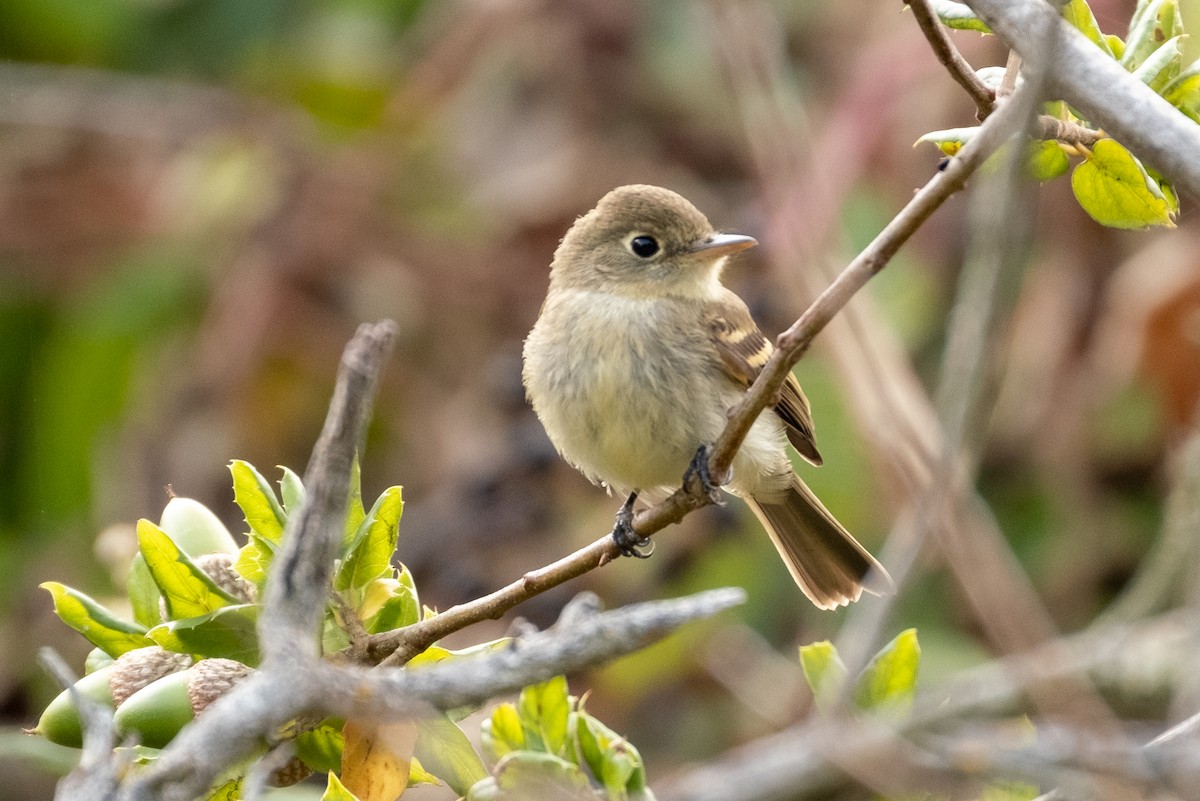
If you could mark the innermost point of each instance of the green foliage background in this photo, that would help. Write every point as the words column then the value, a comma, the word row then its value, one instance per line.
column 199, row 200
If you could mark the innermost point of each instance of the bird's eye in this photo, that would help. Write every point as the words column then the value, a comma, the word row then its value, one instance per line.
column 644, row 246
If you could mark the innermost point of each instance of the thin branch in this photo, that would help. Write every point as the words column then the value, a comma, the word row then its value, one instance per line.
column 774, row 767
column 1109, row 96
column 402, row 644
column 240, row 723
column 982, row 95
column 795, row 341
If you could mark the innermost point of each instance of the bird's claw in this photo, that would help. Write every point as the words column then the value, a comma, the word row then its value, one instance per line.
column 629, row 541
column 698, row 472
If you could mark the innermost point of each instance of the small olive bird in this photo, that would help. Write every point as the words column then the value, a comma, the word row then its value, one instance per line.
column 638, row 352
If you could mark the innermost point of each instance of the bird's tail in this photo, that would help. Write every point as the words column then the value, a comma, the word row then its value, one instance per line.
column 830, row 566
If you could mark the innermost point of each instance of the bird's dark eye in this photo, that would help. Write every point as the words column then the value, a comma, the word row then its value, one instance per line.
column 644, row 246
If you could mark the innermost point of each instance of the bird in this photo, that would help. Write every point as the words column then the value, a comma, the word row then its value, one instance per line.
column 638, row 352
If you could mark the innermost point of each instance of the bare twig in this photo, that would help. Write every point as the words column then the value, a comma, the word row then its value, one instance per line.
column 983, row 97
column 774, row 767
column 1102, row 89
column 792, row 344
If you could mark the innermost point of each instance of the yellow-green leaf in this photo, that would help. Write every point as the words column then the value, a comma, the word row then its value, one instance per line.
column 1045, row 160
column 1113, row 187
column 374, row 543
column 959, row 17
column 544, row 709
column 321, row 748
column 336, row 791
column 824, row 672
column 1153, row 23
column 187, row 590
column 254, row 560
column 291, row 491
column 444, row 751
column 1079, row 14
column 230, row 632
column 257, row 500
column 101, row 627
column 1163, row 65
column 502, row 732
column 1183, row 92
column 889, row 682
column 949, row 141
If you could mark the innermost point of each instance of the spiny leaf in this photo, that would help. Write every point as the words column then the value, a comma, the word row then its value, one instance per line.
column 101, row 627
column 187, row 590
column 257, row 500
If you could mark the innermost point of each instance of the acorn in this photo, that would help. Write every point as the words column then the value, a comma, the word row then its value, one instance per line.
column 219, row 568
column 59, row 722
column 195, row 529
column 160, row 709
column 291, row 772
column 135, row 669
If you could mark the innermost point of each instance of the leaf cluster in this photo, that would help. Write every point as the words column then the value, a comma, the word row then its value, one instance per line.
column 180, row 607
column 1109, row 182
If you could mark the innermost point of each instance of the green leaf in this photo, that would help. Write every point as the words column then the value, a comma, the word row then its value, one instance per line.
column 336, row 791
column 144, row 595
column 188, row 590
column 321, row 748
column 959, row 17
column 444, row 750
column 388, row 604
column 1114, row 188
column 291, row 490
column 374, row 543
column 1153, row 23
column 418, row 775
column 1116, row 44
column 101, row 627
column 1163, row 65
column 1010, row 791
column 354, row 505
column 544, row 709
column 1183, row 92
column 229, row 791
column 253, row 561
column 502, row 733
column 949, row 141
column 1079, row 14
column 230, row 632
column 609, row 756
column 257, row 500
column 1046, row 160
column 890, row 680
column 530, row 774
column 824, row 672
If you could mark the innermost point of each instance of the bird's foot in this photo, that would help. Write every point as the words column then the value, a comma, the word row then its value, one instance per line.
column 629, row 541
column 698, row 472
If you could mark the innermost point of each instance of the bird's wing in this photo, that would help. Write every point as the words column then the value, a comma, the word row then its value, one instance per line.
column 743, row 351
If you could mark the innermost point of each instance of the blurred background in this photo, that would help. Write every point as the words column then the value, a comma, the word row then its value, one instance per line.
column 201, row 199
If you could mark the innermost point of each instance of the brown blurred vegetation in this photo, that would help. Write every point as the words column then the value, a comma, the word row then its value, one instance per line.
column 199, row 201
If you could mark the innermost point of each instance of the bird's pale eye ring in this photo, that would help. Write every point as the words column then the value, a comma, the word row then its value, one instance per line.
column 644, row 246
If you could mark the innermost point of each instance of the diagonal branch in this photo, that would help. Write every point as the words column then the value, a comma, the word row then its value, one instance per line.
column 396, row 647
column 1109, row 96
column 952, row 60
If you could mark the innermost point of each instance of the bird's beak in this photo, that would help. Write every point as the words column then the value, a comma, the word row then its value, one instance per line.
column 723, row 244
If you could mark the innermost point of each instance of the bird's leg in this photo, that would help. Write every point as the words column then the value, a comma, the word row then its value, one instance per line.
column 629, row 541
column 698, row 471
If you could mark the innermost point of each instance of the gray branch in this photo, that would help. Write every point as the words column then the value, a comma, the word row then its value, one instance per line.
column 1080, row 73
